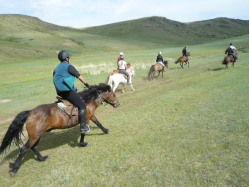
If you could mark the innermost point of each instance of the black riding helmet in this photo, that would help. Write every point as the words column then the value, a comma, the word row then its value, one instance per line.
column 62, row 55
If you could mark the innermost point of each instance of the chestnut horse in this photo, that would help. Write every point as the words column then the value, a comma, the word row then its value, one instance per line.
column 183, row 59
column 229, row 59
column 47, row 117
column 157, row 68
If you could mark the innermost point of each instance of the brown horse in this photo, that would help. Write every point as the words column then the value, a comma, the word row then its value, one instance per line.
column 157, row 68
column 229, row 59
column 47, row 117
column 116, row 71
column 183, row 60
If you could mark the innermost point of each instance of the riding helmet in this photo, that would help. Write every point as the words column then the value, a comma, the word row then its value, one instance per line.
column 62, row 55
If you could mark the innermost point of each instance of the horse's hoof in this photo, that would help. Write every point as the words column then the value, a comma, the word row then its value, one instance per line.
column 83, row 144
column 106, row 131
column 12, row 174
column 43, row 158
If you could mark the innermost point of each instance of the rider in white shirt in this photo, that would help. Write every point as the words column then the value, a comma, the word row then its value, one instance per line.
column 231, row 50
column 122, row 69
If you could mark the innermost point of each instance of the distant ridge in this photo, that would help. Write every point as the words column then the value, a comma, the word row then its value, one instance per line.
column 24, row 36
column 161, row 29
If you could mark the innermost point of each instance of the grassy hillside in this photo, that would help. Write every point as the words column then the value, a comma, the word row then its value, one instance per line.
column 169, row 32
column 189, row 128
column 25, row 37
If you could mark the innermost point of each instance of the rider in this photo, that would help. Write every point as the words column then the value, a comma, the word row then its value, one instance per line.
column 64, row 77
column 231, row 50
column 159, row 58
column 185, row 52
column 121, row 55
column 122, row 68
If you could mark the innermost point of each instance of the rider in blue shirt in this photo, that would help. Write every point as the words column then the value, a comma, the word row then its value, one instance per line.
column 64, row 76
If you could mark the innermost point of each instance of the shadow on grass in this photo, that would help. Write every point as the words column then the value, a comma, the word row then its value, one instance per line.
column 216, row 69
column 52, row 140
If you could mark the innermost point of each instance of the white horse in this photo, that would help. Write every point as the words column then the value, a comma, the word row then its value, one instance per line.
column 115, row 79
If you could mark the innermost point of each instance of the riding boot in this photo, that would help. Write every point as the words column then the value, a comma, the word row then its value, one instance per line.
column 128, row 80
column 84, row 128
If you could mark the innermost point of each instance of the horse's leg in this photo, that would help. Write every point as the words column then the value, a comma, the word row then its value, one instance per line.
column 95, row 120
column 123, row 87
column 37, row 153
column 16, row 165
column 115, row 85
column 132, row 87
column 181, row 63
column 82, row 138
column 233, row 64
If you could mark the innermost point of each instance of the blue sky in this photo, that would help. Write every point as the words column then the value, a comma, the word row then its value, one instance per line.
column 85, row 13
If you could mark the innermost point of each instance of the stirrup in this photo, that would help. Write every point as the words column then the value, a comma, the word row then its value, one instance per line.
column 85, row 129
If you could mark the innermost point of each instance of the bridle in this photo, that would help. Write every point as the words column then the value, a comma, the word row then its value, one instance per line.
column 108, row 100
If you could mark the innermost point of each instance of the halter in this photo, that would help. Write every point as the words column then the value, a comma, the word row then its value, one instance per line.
column 108, row 101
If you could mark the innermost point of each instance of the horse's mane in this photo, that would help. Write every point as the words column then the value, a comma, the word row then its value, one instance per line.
column 94, row 91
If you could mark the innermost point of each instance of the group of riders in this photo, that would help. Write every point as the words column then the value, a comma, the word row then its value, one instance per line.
column 65, row 75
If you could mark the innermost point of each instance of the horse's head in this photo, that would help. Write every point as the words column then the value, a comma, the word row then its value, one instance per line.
column 128, row 65
column 188, row 54
column 110, row 98
column 166, row 63
column 131, row 72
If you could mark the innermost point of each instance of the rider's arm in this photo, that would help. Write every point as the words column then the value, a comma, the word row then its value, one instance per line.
column 73, row 71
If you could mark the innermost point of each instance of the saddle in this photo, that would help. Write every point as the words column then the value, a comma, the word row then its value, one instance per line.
column 67, row 107
column 116, row 71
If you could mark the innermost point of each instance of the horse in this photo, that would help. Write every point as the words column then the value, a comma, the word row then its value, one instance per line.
column 157, row 68
column 229, row 59
column 183, row 59
column 47, row 117
column 115, row 79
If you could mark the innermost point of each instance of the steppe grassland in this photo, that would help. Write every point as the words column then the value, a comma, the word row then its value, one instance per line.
column 188, row 129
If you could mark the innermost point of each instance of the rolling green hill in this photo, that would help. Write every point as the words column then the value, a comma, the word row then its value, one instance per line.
column 25, row 37
column 162, row 30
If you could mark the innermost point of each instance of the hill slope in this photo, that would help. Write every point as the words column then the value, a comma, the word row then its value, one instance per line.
column 163, row 30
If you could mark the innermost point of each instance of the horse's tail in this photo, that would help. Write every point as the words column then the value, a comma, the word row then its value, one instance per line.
column 15, row 130
column 178, row 60
column 225, row 61
column 152, row 68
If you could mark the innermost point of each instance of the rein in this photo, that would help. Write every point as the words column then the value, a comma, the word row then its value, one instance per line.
column 107, row 100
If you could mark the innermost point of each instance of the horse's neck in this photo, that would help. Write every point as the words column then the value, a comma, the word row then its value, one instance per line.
column 94, row 104
column 129, row 71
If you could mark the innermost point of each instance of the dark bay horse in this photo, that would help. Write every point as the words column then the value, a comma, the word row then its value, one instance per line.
column 47, row 117
column 229, row 59
column 157, row 68
column 183, row 60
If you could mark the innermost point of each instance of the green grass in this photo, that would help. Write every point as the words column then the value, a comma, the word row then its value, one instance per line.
column 189, row 128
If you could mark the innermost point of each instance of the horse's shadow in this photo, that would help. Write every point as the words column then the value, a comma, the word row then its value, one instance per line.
column 216, row 69
column 62, row 137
